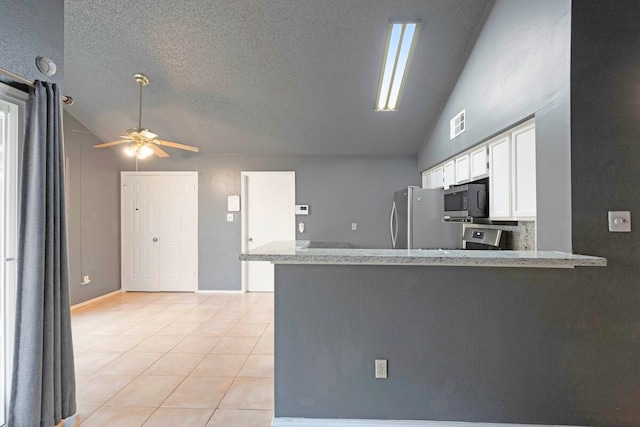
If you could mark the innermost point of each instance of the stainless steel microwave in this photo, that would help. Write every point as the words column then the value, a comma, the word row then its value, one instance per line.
column 466, row 201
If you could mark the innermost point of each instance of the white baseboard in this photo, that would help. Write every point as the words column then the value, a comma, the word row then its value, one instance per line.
column 214, row 291
column 338, row 422
column 96, row 299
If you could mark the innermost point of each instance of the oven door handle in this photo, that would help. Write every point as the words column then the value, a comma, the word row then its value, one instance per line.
column 394, row 214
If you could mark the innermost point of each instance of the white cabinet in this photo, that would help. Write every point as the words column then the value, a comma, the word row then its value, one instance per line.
column 500, row 177
column 427, row 179
column 523, row 188
column 478, row 163
column 438, row 177
column 449, row 173
column 512, row 174
column 462, row 169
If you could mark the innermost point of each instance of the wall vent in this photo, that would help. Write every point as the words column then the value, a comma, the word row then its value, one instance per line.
column 457, row 125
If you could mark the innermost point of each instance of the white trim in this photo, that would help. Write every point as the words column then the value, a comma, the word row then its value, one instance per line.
column 339, row 422
column 96, row 299
column 17, row 104
column 221, row 291
column 244, row 176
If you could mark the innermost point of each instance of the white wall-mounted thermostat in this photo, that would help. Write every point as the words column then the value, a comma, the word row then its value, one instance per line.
column 233, row 203
column 302, row 209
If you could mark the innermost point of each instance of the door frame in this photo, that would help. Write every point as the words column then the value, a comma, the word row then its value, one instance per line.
column 123, row 174
column 244, row 181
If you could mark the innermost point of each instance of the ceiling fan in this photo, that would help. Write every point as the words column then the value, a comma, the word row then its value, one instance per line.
column 145, row 143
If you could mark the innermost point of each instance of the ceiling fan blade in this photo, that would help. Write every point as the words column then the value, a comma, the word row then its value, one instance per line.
column 109, row 144
column 158, row 151
column 149, row 135
column 178, row 145
column 127, row 137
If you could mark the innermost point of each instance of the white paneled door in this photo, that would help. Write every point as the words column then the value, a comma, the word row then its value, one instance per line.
column 160, row 231
column 268, row 216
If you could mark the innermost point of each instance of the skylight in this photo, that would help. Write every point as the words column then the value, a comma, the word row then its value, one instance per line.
column 401, row 42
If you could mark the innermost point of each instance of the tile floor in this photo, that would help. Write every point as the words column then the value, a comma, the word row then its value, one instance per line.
column 175, row 359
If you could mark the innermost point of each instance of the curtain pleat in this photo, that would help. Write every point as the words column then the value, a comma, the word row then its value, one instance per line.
column 43, row 380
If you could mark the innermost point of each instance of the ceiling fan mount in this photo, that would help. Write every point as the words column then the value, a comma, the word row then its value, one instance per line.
column 144, row 142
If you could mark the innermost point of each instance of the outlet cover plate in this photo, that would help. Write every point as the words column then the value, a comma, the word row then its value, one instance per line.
column 620, row 221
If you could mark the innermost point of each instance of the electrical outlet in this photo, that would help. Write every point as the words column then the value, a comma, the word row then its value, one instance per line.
column 354, row 226
column 229, row 217
column 381, row 368
column 85, row 280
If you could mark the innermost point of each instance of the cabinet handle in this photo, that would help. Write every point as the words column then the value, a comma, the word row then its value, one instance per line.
column 155, row 239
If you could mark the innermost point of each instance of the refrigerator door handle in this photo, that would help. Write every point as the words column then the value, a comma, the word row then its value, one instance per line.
column 394, row 214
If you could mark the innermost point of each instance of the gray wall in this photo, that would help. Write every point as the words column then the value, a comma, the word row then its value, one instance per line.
column 93, row 213
column 28, row 29
column 339, row 190
column 519, row 67
column 509, row 345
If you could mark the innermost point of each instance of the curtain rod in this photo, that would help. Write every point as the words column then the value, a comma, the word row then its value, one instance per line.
column 66, row 99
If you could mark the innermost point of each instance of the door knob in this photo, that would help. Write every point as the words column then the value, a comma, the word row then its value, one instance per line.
column 250, row 239
column 155, row 239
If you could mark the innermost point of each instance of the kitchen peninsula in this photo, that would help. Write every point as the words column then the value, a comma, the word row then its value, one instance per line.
column 464, row 337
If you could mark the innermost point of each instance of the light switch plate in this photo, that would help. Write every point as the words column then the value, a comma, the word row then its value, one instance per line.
column 620, row 221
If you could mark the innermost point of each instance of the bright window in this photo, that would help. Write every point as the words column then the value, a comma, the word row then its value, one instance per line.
column 12, row 107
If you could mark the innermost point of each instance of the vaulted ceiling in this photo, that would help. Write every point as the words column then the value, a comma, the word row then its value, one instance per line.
column 262, row 76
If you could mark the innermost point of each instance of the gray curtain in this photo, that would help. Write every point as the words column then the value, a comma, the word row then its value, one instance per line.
column 43, row 389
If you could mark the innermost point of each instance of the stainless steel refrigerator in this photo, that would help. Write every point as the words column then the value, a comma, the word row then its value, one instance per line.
column 416, row 221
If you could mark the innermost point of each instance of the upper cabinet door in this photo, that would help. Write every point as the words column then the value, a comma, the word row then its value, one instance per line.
column 478, row 162
column 449, row 174
column 438, row 177
column 500, row 178
column 462, row 169
column 427, row 179
column 523, row 145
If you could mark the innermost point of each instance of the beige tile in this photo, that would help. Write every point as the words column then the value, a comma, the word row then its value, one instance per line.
column 84, row 343
column 176, row 328
column 145, row 328
column 175, row 364
column 247, row 330
column 257, row 317
column 258, row 366
column 121, row 417
column 235, row 345
column 131, row 363
column 196, row 345
column 195, row 317
column 183, row 308
column 99, row 388
column 249, row 393
column 269, row 332
column 120, row 343
column 88, row 363
column 264, row 346
column 199, row 392
column 80, row 377
column 115, row 328
column 146, row 390
column 220, row 365
column 213, row 329
column 157, row 344
column 244, row 418
column 188, row 417
column 83, row 411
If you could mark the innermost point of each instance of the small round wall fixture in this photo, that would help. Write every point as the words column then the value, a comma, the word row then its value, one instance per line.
column 46, row 66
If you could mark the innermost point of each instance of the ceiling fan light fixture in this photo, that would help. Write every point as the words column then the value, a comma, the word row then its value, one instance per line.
column 130, row 151
column 144, row 152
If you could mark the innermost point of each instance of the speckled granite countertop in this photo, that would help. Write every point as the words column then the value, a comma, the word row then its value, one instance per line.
column 299, row 252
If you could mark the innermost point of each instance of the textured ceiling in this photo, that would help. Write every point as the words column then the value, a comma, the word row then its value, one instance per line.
column 262, row 76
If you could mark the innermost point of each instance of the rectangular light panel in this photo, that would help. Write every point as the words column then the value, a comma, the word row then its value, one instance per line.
column 401, row 43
